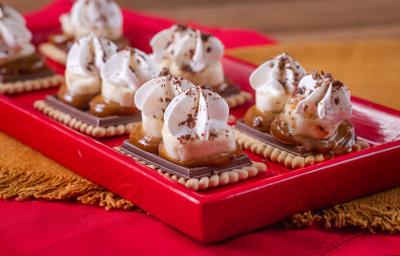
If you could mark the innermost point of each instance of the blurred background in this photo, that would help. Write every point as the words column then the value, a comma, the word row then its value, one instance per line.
column 358, row 41
column 285, row 20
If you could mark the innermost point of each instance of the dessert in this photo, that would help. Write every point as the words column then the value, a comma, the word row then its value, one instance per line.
column 197, row 147
column 100, row 17
column 196, row 56
column 97, row 98
column 152, row 99
column 196, row 132
column 273, row 82
column 82, row 74
column 121, row 76
column 314, row 125
column 21, row 68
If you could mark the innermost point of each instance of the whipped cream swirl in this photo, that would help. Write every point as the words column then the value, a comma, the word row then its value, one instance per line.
column 15, row 38
column 196, row 126
column 318, row 107
column 102, row 17
column 190, row 53
column 124, row 73
column 153, row 97
column 85, row 59
column 274, row 82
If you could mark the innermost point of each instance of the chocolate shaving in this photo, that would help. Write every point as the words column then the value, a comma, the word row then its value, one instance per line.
column 164, row 72
column 205, row 37
column 180, row 27
column 337, row 101
column 190, row 121
column 337, row 84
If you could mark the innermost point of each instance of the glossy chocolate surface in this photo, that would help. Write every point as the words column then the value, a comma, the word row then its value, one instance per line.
column 269, row 139
column 24, row 68
column 88, row 118
column 229, row 90
column 186, row 172
column 342, row 142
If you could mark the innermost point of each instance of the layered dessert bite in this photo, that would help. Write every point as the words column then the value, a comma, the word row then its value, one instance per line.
column 274, row 83
column 100, row 17
column 196, row 132
column 101, row 82
column 314, row 125
column 185, row 136
column 317, row 117
column 82, row 74
column 196, row 56
column 152, row 99
column 121, row 76
column 21, row 68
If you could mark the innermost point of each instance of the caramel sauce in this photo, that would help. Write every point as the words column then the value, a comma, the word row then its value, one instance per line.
column 75, row 100
column 24, row 68
column 215, row 160
column 142, row 140
column 257, row 119
column 342, row 142
column 101, row 107
column 226, row 89
column 64, row 41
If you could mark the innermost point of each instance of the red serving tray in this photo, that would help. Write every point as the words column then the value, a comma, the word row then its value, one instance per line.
column 223, row 212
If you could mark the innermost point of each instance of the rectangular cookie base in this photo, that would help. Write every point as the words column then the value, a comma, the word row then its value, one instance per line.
column 84, row 122
column 195, row 178
column 291, row 157
column 88, row 118
column 31, row 84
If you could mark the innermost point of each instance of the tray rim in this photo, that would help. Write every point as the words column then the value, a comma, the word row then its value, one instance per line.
column 204, row 196
column 200, row 203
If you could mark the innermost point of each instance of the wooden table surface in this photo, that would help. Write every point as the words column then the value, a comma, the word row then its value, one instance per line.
column 286, row 20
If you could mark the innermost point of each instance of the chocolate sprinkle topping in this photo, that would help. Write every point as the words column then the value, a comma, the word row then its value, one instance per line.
column 164, row 72
column 189, row 122
column 205, row 37
column 180, row 27
column 337, row 84
column 337, row 101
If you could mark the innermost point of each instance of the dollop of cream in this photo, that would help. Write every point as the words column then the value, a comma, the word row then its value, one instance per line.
column 124, row 73
column 153, row 97
column 15, row 41
column 102, row 17
column 85, row 59
column 274, row 82
column 191, row 54
column 196, row 126
column 318, row 107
